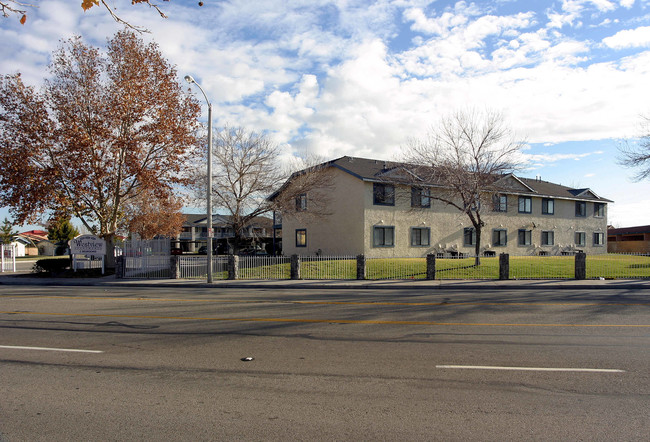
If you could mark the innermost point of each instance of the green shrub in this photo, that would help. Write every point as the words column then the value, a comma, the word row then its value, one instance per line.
column 51, row 265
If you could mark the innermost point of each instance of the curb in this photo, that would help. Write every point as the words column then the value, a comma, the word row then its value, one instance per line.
column 342, row 285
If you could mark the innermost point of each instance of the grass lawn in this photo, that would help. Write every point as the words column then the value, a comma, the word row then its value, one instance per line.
column 521, row 267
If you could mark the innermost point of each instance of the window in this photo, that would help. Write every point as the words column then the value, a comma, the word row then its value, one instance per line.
column 499, row 237
column 420, row 236
column 525, row 237
column 581, row 208
column 469, row 236
column 548, row 238
column 301, row 237
column 599, row 210
column 383, row 237
column 599, row 238
column 580, row 238
column 420, row 197
column 383, row 194
column 500, row 203
column 525, row 204
column 301, row 202
column 548, row 206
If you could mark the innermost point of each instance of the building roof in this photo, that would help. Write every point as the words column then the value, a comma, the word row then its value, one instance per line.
column 629, row 230
column 376, row 171
column 224, row 220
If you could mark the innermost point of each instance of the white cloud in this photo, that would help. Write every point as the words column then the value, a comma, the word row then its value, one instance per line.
column 629, row 38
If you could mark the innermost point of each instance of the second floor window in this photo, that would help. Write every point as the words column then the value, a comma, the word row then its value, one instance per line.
column 301, row 202
column 581, row 208
column 599, row 210
column 548, row 206
column 420, row 197
column 383, row 194
column 525, row 204
column 500, row 203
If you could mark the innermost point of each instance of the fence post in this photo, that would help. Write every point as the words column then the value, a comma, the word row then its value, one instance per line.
column 295, row 267
column 175, row 266
column 119, row 267
column 431, row 266
column 233, row 266
column 361, row 267
column 581, row 266
column 504, row 266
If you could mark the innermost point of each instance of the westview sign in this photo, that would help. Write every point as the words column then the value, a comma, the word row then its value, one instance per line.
column 87, row 245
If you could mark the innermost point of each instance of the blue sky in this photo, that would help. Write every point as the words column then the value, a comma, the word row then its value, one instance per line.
column 360, row 78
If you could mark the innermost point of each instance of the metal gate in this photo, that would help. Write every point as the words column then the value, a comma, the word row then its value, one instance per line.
column 8, row 252
column 148, row 258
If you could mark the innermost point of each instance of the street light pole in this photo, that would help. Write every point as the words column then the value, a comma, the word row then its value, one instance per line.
column 191, row 80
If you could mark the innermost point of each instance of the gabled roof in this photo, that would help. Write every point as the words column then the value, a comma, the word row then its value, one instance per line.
column 378, row 171
column 224, row 220
column 629, row 230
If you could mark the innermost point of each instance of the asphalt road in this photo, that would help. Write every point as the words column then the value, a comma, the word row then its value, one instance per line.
column 100, row 363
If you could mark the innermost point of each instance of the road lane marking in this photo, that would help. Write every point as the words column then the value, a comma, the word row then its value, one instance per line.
column 488, row 367
column 323, row 321
column 324, row 302
column 70, row 350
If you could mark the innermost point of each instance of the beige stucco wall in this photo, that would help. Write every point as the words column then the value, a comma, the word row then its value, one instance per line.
column 447, row 224
column 338, row 233
column 348, row 230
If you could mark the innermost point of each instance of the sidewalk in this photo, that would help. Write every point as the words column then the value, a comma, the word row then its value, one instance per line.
column 111, row 281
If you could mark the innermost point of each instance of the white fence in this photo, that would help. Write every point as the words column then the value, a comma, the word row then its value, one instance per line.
column 147, row 258
column 8, row 259
column 264, row 267
column 196, row 267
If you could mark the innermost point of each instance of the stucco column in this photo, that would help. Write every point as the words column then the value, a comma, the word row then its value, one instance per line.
column 361, row 267
column 504, row 266
column 233, row 266
column 431, row 266
column 295, row 267
column 581, row 266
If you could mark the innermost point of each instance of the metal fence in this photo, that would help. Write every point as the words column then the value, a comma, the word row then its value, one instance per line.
column 465, row 267
column 264, row 267
column 141, row 262
column 196, row 267
column 542, row 267
column 620, row 265
column 328, row 267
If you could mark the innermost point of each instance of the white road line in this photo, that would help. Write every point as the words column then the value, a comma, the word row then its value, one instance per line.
column 487, row 367
column 73, row 350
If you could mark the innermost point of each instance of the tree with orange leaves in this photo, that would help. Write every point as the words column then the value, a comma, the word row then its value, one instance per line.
column 19, row 8
column 105, row 130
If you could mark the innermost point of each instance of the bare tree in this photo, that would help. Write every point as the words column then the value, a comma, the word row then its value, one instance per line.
column 461, row 161
column 637, row 154
column 247, row 172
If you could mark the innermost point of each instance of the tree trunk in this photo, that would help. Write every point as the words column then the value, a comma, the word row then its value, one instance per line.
column 110, row 251
column 477, row 246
